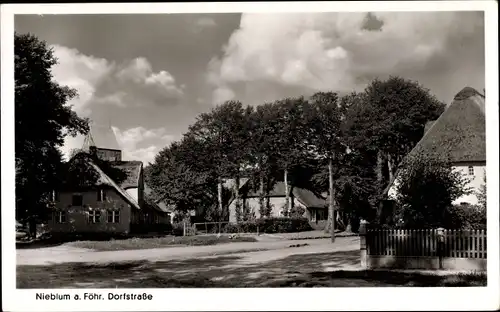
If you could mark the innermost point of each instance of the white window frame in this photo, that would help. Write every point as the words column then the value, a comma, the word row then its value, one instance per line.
column 59, row 216
column 101, row 195
column 115, row 216
column 94, row 216
column 471, row 170
column 55, row 196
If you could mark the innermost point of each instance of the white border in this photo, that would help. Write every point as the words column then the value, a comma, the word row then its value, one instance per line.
column 486, row 298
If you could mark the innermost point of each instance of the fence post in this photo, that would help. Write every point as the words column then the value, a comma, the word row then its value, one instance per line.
column 184, row 228
column 440, row 246
column 362, row 243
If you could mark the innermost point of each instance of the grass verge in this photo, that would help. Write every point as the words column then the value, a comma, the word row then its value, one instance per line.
column 158, row 242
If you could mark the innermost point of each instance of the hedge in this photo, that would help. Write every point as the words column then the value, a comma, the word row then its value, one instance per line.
column 149, row 228
column 268, row 225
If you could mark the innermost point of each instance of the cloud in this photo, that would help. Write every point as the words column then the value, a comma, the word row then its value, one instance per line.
column 135, row 84
column 205, row 22
column 81, row 72
column 99, row 81
column 343, row 51
column 142, row 144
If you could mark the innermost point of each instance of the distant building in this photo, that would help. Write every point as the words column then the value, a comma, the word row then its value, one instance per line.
column 458, row 135
column 315, row 206
column 106, row 207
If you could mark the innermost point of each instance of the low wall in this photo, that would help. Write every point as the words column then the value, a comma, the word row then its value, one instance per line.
column 428, row 263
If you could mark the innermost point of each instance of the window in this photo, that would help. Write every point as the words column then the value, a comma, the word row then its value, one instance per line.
column 60, row 216
column 113, row 216
column 322, row 215
column 55, row 196
column 471, row 170
column 101, row 195
column 94, row 216
column 77, row 200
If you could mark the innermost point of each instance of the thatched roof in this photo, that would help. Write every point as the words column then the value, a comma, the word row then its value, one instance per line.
column 133, row 170
column 308, row 198
column 104, row 179
column 459, row 134
column 277, row 191
column 304, row 196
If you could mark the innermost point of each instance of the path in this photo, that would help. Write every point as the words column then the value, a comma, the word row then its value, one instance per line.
column 66, row 254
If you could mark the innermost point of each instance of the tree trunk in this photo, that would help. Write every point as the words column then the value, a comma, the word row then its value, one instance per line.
column 238, row 206
column 268, row 200
column 348, row 227
column 391, row 167
column 219, row 200
column 380, row 180
column 262, row 204
column 331, row 206
column 32, row 227
column 287, row 195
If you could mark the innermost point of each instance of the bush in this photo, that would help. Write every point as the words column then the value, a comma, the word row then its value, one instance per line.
column 178, row 228
column 466, row 217
column 426, row 189
column 149, row 228
column 270, row 225
column 297, row 212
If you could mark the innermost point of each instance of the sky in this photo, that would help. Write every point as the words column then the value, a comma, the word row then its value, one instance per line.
column 149, row 76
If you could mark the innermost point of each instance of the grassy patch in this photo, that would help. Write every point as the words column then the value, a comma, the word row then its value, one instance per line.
column 158, row 242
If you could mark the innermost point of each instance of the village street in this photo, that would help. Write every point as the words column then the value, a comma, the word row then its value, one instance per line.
column 253, row 251
column 285, row 263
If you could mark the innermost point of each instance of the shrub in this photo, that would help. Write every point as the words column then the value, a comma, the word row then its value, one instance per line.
column 270, row 225
column 297, row 212
column 466, row 217
column 426, row 189
column 178, row 228
column 163, row 228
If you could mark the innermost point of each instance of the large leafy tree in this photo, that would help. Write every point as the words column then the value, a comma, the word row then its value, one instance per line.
column 224, row 132
column 183, row 177
column 388, row 120
column 324, row 116
column 264, row 125
column 289, row 139
column 42, row 119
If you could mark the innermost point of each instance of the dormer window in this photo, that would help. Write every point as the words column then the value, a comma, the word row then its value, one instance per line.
column 101, row 195
column 471, row 170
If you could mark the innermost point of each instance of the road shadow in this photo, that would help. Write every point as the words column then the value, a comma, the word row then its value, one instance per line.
column 307, row 270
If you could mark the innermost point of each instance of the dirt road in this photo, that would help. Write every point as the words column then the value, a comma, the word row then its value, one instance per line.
column 252, row 252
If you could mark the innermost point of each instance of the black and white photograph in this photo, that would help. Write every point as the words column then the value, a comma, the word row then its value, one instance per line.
column 336, row 149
